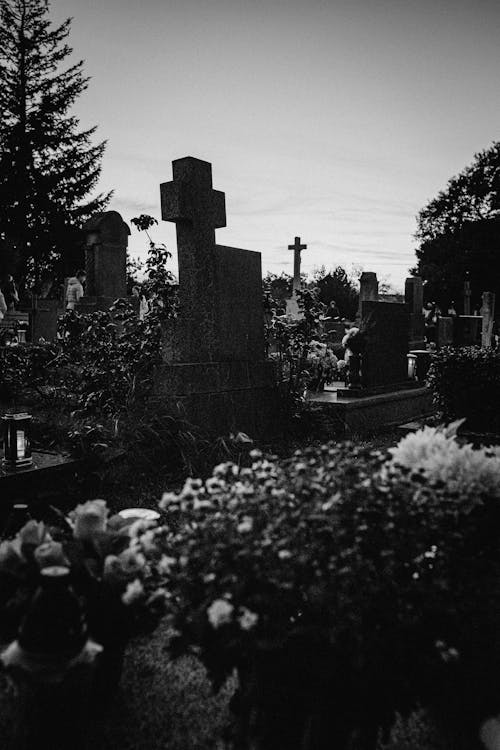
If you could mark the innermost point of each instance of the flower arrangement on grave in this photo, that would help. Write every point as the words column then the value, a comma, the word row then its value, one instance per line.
column 117, row 587
column 341, row 585
column 321, row 364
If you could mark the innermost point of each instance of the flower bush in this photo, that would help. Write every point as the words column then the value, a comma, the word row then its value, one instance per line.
column 342, row 585
column 122, row 597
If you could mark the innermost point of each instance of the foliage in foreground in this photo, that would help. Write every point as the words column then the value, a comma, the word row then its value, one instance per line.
column 342, row 586
column 466, row 383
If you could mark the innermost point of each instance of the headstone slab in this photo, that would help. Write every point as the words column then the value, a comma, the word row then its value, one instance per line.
column 414, row 294
column 106, row 241
column 467, row 330
column 385, row 360
column 44, row 319
column 488, row 316
column 444, row 331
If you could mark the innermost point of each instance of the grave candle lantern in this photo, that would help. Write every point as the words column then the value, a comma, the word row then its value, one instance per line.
column 16, row 441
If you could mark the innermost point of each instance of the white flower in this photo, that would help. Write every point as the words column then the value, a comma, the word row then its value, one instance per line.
column 436, row 452
column 134, row 592
column 165, row 564
column 89, row 519
column 245, row 526
column 167, row 499
column 33, row 534
column 220, row 613
column 247, row 619
column 284, row 554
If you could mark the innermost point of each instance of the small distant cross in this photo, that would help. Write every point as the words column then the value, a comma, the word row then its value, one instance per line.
column 296, row 247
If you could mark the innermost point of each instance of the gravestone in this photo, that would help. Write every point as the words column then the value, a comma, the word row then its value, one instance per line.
column 106, row 241
column 368, row 291
column 467, row 330
column 488, row 316
column 44, row 317
column 213, row 353
column 444, row 331
column 292, row 305
column 467, row 295
column 414, row 300
column 384, row 361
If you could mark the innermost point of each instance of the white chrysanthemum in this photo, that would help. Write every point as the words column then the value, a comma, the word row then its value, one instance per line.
column 220, row 613
column 439, row 456
column 245, row 526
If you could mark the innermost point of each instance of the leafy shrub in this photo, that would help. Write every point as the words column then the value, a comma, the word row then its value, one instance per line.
column 466, row 383
column 342, row 586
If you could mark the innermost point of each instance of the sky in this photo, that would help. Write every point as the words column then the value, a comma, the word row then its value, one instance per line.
column 333, row 120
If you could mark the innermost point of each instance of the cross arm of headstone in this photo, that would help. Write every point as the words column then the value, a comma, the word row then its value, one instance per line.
column 190, row 196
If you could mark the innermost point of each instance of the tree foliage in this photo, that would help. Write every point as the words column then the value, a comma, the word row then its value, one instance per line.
column 459, row 232
column 48, row 164
column 338, row 286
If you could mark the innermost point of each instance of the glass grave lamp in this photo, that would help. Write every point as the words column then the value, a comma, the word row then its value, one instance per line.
column 16, row 442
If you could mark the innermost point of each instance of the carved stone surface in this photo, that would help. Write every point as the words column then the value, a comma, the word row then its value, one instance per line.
column 384, row 360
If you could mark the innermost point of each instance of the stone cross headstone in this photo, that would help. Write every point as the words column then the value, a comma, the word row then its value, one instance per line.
column 214, row 351
column 292, row 304
column 488, row 316
column 106, row 241
column 368, row 291
column 414, row 300
column 297, row 248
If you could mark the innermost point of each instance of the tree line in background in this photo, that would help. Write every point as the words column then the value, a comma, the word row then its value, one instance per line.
column 459, row 233
column 49, row 165
column 50, row 169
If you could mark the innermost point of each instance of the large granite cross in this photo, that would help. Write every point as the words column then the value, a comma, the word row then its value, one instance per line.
column 197, row 210
column 296, row 247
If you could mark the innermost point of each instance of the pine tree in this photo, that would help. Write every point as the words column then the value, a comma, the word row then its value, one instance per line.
column 48, row 165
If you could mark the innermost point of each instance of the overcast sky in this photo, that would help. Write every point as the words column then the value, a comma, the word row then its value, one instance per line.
column 333, row 120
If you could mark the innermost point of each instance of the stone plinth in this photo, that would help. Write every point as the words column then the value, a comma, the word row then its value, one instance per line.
column 356, row 415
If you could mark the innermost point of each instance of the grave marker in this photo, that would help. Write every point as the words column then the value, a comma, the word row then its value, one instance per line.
column 368, row 291
column 214, row 351
column 292, row 304
column 106, row 241
column 414, row 300
column 488, row 316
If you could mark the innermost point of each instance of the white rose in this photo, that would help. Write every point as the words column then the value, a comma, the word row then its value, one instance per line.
column 134, row 592
column 89, row 519
column 247, row 619
column 220, row 613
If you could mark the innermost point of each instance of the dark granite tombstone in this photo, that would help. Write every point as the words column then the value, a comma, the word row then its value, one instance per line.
column 384, row 361
column 468, row 330
column 414, row 300
column 106, row 241
column 44, row 316
column 214, row 351
column 444, row 331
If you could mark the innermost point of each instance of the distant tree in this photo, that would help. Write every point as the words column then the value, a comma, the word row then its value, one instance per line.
column 459, row 233
column 339, row 286
column 48, row 165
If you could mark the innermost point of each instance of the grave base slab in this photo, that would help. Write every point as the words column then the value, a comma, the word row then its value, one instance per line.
column 221, row 397
column 354, row 416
